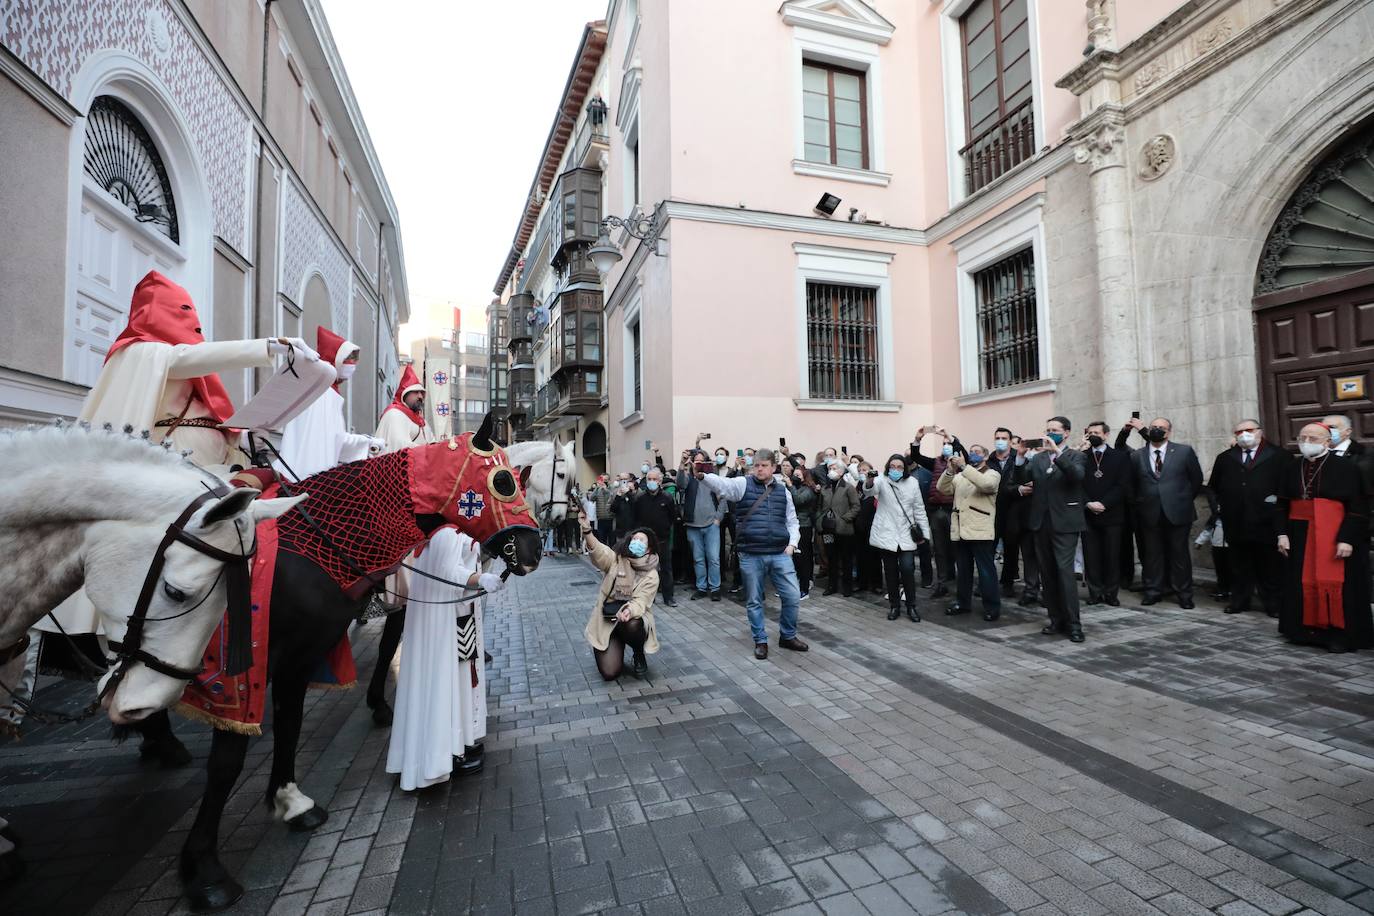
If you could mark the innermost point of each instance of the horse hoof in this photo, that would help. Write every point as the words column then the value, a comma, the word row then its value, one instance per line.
column 210, row 898
column 11, row 867
column 308, row 820
column 169, row 753
column 382, row 714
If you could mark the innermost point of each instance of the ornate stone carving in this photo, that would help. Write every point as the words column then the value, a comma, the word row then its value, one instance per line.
column 158, row 32
column 1101, row 14
column 1102, row 149
column 1150, row 74
column 1157, row 156
column 1214, row 36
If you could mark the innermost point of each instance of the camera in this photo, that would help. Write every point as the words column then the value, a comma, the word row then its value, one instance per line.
column 1033, row 443
column 703, row 467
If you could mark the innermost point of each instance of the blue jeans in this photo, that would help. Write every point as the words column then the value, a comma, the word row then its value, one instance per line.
column 777, row 567
column 705, row 543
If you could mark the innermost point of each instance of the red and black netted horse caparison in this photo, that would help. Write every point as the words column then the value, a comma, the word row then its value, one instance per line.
column 367, row 512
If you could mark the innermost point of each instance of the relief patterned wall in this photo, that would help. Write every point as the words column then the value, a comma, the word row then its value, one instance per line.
column 308, row 247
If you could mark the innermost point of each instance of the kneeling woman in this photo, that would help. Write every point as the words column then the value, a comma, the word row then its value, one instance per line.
column 624, row 611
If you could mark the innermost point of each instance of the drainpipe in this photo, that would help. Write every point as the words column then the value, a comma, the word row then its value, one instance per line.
column 258, row 307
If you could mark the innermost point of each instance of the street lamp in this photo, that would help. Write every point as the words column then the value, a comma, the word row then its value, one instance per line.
column 605, row 255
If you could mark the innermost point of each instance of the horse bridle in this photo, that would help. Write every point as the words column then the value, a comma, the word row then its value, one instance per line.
column 239, row 656
column 546, row 513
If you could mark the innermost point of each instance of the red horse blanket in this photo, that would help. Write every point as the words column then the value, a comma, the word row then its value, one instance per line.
column 237, row 703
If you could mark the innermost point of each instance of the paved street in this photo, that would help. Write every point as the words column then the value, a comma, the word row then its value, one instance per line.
column 1179, row 762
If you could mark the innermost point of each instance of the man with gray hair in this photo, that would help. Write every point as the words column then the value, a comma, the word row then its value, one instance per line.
column 767, row 534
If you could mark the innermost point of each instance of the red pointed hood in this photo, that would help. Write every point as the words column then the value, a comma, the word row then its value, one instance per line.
column 162, row 312
column 409, row 382
column 333, row 349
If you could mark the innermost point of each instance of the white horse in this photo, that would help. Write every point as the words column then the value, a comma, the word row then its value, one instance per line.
column 548, row 475
column 80, row 507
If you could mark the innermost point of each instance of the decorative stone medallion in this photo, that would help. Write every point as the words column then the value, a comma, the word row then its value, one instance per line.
column 158, row 32
column 1157, row 156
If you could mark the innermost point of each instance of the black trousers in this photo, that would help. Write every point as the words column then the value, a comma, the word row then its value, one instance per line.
column 1101, row 561
column 605, row 531
column 899, row 567
column 804, row 559
column 868, row 563
column 1019, row 543
column 1166, row 561
column 1255, row 566
column 840, row 552
column 1054, row 552
column 1130, row 540
column 942, row 546
column 665, row 571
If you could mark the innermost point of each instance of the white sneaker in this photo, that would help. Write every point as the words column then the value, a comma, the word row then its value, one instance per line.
column 804, row 596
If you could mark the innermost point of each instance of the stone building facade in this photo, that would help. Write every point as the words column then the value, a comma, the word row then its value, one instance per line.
column 214, row 140
column 1213, row 242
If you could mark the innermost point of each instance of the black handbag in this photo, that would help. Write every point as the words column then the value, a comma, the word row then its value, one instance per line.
column 612, row 607
column 914, row 530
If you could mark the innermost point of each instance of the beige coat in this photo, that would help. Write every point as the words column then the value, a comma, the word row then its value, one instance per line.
column 975, row 503
column 641, row 603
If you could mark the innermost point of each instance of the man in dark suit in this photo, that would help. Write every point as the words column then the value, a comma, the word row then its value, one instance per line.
column 1246, row 480
column 1167, row 479
column 1009, row 524
column 1056, row 516
column 1107, row 487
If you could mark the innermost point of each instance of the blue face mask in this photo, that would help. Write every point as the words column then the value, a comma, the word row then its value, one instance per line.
column 894, row 476
column 643, row 469
column 1335, row 436
column 652, row 485
column 1056, row 438
column 947, row 451
column 975, row 458
column 748, row 460
column 720, row 459
column 638, row 548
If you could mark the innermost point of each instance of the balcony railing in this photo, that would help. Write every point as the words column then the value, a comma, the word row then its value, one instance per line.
column 1000, row 148
column 592, row 140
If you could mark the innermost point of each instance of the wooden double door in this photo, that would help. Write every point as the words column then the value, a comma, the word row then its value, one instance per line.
column 1316, row 354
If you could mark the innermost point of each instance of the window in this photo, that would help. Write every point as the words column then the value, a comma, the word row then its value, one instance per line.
column 834, row 108
column 591, row 336
column 121, row 158
column 1008, row 327
column 634, row 174
column 637, row 399
column 842, row 341
column 997, row 90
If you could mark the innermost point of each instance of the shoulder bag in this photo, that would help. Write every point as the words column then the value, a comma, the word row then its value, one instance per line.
column 914, row 530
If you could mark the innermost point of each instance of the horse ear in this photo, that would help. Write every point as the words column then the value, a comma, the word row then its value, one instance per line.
column 482, row 438
column 264, row 509
column 525, row 476
column 231, row 505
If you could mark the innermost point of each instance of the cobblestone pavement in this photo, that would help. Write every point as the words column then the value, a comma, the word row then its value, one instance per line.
column 1178, row 762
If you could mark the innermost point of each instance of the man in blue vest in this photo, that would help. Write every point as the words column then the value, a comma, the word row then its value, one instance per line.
column 766, row 535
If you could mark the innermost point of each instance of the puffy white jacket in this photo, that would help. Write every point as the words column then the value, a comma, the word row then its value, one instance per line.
column 891, row 530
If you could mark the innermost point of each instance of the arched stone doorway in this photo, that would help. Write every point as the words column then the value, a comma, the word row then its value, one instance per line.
column 1314, row 297
column 594, row 448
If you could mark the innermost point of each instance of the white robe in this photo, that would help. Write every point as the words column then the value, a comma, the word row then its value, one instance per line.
column 149, row 381
column 317, row 439
column 397, row 432
column 437, row 710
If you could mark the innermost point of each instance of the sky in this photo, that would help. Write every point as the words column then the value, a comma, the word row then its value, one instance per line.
column 458, row 96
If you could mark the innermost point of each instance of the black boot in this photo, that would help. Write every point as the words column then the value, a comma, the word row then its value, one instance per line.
column 911, row 614
column 894, row 612
column 639, row 665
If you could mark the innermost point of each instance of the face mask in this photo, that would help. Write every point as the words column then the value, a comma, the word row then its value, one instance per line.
column 1246, row 440
column 975, row 458
column 1056, row 438
column 1335, row 436
column 835, row 475
column 720, row 459
column 638, row 548
column 947, row 451
column 853, row 465
column 1001, row 444
column 894, row 476
column 748, row 461
column 1095, row 441
column 652, row 485
column 346, row 371
column 1311, row 449
column 1158, row 434
column 643, row 469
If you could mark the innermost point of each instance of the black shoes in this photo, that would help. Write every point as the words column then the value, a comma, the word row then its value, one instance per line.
column 1028, row 599
column 670, row 602
column 894, row 612
column 991, row 616
column 715, row 595
column 1234, row 610
column 1091, row 600
column 699, row 594
column 1149, row 600
column 954, row 609
column 911, row 614
column 1008, row 590
column 1112, row 602
column 639, row 666
column 1075, row 633
column 795, row 644
column 1221, row 594
column 829, row 591
column 1186, row 605
column 1050, row 630
column 471, row 762
column 760, row 650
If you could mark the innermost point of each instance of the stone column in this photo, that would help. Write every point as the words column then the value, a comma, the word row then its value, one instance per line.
column 1102, row 148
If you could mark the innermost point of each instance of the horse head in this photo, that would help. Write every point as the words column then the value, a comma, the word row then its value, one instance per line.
column 186, row 593
column 548, row 472
column 469, row 481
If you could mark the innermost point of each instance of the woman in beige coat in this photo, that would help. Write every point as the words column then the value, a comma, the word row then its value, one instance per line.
column 972, row 529
column 624, row 611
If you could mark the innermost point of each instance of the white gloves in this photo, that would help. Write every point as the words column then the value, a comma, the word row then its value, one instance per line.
column 375, row 446
column 279, row 346
column 491, row 583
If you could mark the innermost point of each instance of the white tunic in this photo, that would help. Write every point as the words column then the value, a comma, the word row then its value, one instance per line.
column 397, row 432
column 437, row 710
column 318, row 440
column 145, row 382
